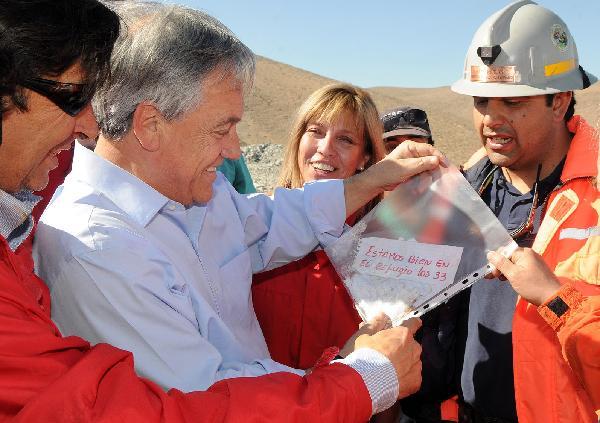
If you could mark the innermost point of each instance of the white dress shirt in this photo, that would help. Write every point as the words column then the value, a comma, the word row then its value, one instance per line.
column 128, row 266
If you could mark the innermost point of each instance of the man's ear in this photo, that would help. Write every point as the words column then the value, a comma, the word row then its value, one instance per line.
column 560, row 104
column 146, row 124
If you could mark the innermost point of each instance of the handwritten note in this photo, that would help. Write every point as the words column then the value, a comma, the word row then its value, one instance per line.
column 407, row 260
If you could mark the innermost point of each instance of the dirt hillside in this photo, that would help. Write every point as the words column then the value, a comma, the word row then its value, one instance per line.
column 279, row 89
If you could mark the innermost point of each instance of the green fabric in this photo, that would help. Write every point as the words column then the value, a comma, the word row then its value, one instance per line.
column 238, row 175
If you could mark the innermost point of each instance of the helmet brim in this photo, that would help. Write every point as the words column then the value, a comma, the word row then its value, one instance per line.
column 569, row 82
column 409, row 130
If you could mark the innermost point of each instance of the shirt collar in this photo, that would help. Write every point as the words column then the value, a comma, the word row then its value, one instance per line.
column 15, row 211
column 546, row 185
column 132, row 195
column 582, row 158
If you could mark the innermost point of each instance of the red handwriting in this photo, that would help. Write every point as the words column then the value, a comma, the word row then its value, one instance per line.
column 399, row 270
column 419, row 260
column 423, row 273
column 441, row 276
column 442, row 263
column 391, row 268
column 374, row 252
column 407, row 260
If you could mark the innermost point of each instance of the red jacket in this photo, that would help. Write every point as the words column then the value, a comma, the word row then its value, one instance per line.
column 47, row 377
column 577, row 332
column 547, row 388
column 303, row 308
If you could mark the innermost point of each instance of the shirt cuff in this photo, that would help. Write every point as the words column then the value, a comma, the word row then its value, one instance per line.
column 566, row 299
column 379, row 376
column 325, row 206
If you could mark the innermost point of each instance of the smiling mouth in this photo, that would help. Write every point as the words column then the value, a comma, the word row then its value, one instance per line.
column 322, row 166
column 61, row 147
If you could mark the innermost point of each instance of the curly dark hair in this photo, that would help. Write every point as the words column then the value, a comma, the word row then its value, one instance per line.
column 46, row 37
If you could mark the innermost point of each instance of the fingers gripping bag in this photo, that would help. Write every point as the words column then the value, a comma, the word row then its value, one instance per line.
column 424, row 243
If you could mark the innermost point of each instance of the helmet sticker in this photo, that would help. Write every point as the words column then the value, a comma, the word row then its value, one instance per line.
column 559, row 68
column 559, row 37
column 494, row 74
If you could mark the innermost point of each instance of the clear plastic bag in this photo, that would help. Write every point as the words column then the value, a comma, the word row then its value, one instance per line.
column 425, row 242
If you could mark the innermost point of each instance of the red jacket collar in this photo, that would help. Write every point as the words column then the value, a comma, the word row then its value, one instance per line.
column 582, row 158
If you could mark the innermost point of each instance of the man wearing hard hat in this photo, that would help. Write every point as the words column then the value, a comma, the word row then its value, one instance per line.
column 539, row 179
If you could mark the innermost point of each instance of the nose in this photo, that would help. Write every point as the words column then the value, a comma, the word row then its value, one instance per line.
column 326, row 144
column 492, row 114
column 85, row 123
column 231, row 148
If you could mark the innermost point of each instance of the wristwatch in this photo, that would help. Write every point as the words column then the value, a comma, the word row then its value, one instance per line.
column 557, row 308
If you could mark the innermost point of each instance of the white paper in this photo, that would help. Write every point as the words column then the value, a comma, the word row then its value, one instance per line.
column 424, row 243
column 407, row 260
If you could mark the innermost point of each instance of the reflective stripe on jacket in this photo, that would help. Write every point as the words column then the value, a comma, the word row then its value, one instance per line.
column 546, row 388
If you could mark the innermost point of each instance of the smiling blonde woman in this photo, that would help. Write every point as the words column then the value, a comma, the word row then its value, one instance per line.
column 303, row 307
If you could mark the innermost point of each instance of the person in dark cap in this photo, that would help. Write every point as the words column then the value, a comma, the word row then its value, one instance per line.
column 405, row 123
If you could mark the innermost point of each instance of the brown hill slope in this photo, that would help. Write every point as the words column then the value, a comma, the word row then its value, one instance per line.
column 279, row 90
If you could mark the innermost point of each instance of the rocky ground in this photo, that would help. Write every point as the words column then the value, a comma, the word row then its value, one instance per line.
column 264, row 162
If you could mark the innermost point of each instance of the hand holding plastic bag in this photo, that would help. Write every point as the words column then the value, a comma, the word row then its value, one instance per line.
column 424, row 243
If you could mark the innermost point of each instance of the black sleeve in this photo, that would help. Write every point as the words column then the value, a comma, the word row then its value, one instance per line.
column 442, row 337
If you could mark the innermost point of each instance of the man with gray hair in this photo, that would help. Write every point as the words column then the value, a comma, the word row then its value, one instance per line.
column 147, row 247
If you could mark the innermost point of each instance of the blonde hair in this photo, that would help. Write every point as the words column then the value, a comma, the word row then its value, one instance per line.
column 326, row 105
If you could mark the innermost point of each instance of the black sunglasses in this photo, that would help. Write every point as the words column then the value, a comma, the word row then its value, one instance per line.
column 71, row 98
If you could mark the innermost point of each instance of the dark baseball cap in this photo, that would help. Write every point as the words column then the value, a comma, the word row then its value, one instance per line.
column 405, row 120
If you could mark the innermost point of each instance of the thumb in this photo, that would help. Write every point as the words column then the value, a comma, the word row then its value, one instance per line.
column 504, row 265
column 413, row 325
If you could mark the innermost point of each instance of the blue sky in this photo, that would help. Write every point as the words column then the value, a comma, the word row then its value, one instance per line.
column 416, row 43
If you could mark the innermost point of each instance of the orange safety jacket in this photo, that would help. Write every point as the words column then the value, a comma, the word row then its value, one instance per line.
column 549, row 386
column 577, row 331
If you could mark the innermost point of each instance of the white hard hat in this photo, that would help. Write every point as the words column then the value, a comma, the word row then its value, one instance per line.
column 522, row 50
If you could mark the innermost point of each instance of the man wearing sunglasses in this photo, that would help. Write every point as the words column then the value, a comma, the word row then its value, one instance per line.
column 538, row 177
column 52, row 55
column 405, row 123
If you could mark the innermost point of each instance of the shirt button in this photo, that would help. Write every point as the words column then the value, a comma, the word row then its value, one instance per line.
column 171, row 207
